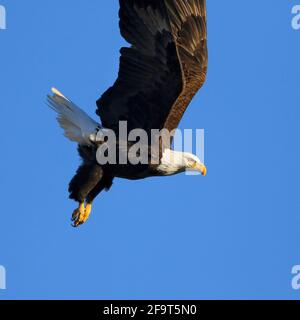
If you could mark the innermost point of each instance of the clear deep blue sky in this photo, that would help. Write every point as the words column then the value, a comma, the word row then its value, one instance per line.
column 232, row 234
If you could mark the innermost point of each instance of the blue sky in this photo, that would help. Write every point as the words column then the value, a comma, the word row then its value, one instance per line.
column 233, row 234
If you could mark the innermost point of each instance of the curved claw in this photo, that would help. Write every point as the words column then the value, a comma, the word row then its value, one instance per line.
column 81, row 214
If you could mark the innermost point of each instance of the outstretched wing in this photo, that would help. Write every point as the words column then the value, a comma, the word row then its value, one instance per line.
column 188, row 23
column 164, row 67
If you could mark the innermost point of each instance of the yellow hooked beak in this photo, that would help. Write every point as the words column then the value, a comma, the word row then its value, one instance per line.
column 201, row 168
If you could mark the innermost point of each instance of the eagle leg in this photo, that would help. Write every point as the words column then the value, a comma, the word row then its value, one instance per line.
column 85, row 186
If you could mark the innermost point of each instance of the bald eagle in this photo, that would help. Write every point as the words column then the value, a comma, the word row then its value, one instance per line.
column 159, row 74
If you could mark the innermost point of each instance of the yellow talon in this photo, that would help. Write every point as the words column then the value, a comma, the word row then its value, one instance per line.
column 88, row 210
column 81, row 214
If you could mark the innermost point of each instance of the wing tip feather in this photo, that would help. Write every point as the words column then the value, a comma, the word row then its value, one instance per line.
column 58, row 93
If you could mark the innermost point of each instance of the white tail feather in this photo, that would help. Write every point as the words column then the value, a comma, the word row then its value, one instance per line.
column 78, row 126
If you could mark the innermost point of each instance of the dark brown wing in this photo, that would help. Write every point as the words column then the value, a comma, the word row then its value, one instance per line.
column 188, row 23
column 150, row 77
column 164, row 67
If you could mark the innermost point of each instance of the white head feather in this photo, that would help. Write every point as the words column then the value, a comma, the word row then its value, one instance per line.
column 173, row 162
